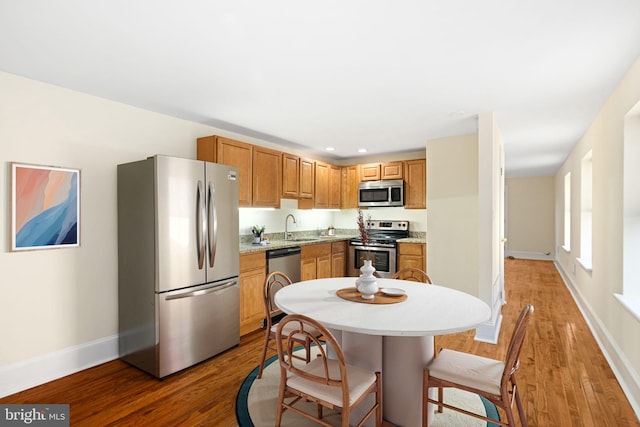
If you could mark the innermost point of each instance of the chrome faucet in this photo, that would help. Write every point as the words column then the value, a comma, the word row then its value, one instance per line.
column 286, row 221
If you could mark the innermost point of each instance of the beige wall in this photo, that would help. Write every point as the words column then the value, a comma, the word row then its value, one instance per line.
column 616, row 328
column 452, row 212
column 530, row 225
column 464, row 211
column 53, row 299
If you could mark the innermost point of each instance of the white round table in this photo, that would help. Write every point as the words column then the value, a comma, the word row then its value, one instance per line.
column 396, row 339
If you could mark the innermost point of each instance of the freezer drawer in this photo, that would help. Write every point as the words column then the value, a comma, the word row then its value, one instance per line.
column 197, row 323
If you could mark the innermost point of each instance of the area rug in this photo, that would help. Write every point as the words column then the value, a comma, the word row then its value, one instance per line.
column 257, row 400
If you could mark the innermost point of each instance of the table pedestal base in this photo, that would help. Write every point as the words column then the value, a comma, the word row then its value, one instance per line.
column 401, row 361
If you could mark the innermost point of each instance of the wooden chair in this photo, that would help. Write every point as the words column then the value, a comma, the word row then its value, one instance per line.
column 492, row 379
column 413, row 274
column 329, row 383
column 274, row 282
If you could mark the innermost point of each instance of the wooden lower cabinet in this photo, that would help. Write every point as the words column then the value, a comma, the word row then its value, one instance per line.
column 339, row 259
column 315, row 261
column 412, row 255
column 323, row 260
column 253, row 271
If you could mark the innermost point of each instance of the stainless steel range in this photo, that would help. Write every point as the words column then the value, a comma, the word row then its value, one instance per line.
column 381, row 249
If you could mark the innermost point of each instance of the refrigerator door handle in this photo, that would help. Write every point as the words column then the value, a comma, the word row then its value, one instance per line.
column 199, row 292
column 200, row 225
column 213, row 225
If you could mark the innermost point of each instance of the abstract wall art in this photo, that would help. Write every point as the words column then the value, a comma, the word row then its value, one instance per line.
column 45, row 207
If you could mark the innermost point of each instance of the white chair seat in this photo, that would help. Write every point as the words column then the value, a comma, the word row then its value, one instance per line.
column 359, row 381
column 474, row 371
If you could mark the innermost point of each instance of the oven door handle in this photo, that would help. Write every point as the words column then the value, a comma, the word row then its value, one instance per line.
column 360, row 246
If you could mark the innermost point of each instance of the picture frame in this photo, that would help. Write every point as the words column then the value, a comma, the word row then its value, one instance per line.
column 45, row 207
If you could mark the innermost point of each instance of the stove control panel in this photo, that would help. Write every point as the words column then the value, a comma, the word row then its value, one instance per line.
column 375, row 224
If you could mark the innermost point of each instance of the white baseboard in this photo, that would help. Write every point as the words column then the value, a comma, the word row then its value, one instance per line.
column 488, row 332
column 529, row 255
column 626, row 376
column 42, row 369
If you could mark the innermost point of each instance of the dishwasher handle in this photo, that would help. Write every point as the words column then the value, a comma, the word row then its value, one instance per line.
column 278, row 253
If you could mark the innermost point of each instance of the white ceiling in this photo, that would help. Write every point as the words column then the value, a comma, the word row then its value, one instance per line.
column 382, row 75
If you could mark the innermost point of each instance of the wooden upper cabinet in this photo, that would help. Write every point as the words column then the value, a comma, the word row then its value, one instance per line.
column 259, row 168
column 415, row 185
column 239, row 154
column 290, row 176
column 391, row 170
column 350, row 181
column 370, row 172
column 321, row 193
column 306, row 178
column 206, row 149
column 327, row 186
column 377, row 171
column 335, row 186
column 267, row 177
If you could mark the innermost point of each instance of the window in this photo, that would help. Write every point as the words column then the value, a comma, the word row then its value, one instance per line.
column 630, row 296
column 586, row 227
column 567, row 212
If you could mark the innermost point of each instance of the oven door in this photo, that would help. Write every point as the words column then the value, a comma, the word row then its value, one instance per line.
column 383, row 259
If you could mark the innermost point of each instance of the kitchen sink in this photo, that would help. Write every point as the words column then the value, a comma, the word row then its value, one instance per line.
column 302, row 239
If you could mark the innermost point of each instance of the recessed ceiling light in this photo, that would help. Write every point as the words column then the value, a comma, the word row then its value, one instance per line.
column 362, row 150
column 330, row 149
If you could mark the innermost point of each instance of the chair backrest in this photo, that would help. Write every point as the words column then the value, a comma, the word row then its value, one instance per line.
column 306, row 327
column 275, row 281
column 412, row 274
column 512, row 360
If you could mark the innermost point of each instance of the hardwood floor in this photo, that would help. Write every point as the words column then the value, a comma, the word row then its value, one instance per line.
column 564, row 377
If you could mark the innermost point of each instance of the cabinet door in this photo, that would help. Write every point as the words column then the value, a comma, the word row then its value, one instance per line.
column 251, row 303
column 290, row 176
column 415, row 186
column 391, row 170
column 321, row 194
column 206, row 148
column 308, row 269
column 240, row 155
column 323, row 266
column 335, row 184
column 252, row 276
column 267, row 174
column 370, row 172
column 410, row 261
column 412, row 255
column 338, row 265
column 350, row 180
column 306, row 179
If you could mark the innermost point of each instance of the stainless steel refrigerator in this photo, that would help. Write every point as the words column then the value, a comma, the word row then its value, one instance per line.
column 178, row 262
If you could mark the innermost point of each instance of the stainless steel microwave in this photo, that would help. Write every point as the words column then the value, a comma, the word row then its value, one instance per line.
column 381, row 193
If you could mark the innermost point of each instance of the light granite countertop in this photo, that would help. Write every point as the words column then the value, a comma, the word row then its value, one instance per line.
column 297, row 241
column 277, row 243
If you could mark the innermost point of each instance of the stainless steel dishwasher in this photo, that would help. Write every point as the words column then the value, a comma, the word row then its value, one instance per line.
column 286, row 260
